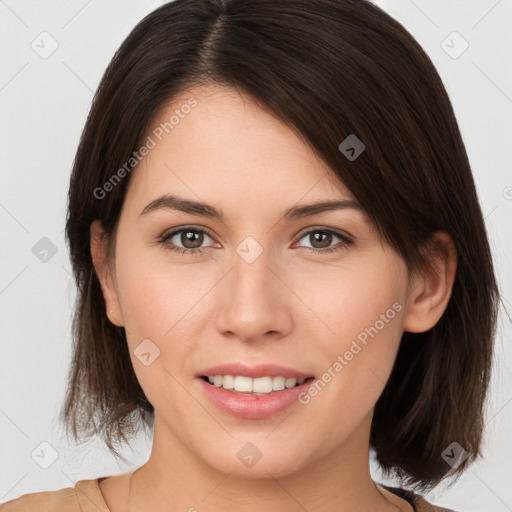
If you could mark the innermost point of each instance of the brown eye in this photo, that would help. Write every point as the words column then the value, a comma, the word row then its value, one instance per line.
column 321, row 240
column 185, row 240
column 191, row 239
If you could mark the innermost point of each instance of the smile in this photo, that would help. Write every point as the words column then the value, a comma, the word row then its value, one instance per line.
column 257, row 386
column 246, row 404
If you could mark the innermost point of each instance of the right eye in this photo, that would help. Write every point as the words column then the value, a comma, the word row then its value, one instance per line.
column 186, row 236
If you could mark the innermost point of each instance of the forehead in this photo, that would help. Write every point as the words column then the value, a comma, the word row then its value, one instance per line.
column 213, row 143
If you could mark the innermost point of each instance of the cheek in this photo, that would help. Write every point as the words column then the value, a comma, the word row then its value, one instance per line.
column 155, row 294
column 363, row 311
column 161, row 302
column 148, row 305
column 157, row 315
column 351, row 301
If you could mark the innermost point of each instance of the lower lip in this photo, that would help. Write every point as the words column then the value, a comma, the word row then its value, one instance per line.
column 253, row 406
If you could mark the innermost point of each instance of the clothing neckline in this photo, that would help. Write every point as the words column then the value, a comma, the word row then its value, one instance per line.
column 406, row 495
column 89, row 495
column 91, row 498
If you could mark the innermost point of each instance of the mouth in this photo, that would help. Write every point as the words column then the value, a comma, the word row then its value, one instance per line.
column 256, row 397
column 243, row 385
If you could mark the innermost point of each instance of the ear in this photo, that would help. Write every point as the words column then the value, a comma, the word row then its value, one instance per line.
column 430, row 291
column 104, row 273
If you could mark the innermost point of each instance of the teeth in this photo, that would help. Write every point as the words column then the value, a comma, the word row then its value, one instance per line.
column 259, row 386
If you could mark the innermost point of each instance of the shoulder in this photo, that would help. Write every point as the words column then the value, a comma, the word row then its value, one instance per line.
column 63, row 499
column 419, row 503
column 85, row 496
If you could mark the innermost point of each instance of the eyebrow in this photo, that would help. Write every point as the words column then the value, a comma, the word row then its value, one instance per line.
column 200, row 208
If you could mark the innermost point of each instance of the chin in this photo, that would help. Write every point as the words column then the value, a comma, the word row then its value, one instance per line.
column 250, row 458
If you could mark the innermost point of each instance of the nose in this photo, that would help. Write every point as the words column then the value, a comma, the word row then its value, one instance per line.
column 254, row 301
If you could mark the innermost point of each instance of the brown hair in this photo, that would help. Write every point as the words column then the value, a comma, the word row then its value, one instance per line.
column 327, row 68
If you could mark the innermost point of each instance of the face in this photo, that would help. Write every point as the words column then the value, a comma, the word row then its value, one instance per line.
column 318, row 294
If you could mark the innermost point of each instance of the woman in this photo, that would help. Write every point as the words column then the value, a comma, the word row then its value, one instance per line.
column 281, row 264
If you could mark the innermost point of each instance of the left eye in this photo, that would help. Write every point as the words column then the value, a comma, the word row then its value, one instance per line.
column 324, row 238
column 192, row 239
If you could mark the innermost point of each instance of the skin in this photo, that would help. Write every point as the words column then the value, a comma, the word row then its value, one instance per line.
column 290, row 306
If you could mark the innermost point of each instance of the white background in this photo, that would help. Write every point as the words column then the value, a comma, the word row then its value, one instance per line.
column 44, row 103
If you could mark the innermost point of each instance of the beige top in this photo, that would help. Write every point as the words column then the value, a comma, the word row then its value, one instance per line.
column 86, row 496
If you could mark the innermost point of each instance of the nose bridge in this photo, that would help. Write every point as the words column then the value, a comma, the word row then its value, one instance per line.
column 252, row 302
column 251, row 276
column 251, row 266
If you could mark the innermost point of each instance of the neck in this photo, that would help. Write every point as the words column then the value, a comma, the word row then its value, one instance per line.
column 338, row 481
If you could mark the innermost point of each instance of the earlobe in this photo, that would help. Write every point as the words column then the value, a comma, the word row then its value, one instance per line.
column 100, row 263
column 430, row 291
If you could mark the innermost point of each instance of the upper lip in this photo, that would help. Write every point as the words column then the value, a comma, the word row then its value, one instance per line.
column 258, row 370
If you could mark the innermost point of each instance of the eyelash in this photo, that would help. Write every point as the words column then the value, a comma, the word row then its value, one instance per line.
column 198, row 252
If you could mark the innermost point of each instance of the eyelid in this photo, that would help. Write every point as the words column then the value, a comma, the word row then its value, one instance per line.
column 172, row 231
column 305, row 231
column 342, row 234
column 346, row 239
